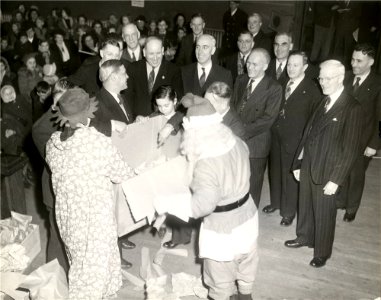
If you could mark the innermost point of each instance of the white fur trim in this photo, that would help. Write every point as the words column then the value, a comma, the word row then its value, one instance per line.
column 195, row 122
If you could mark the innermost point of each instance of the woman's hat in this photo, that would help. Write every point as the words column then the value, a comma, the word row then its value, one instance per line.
column 75, row 106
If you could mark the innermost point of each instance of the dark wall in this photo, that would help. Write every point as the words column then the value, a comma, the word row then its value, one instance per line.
column 213, row 10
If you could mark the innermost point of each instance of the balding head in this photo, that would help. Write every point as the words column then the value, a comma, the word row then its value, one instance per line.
column 153, row 51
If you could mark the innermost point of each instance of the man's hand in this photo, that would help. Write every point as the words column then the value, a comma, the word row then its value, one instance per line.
column 297, row 174
column 118, row 126
column 369, row 152
column 330, row 188
column 164, row 133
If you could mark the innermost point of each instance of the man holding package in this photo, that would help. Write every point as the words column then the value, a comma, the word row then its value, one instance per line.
column 220, row 194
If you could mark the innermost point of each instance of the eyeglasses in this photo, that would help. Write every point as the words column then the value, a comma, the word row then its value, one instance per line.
column 321, row 79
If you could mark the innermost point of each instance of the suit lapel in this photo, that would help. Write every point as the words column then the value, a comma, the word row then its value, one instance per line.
column 112, row 106
column 160, row 75
column 326, row 118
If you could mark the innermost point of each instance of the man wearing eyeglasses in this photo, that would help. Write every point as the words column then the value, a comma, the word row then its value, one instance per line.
column 236, row 62
column 365, row 86
column 328, row 149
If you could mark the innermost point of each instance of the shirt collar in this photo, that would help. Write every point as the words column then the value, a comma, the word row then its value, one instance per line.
column 296, row 81
column 208, row 67
column 336, row 95
column 362, row 77
column 136, row 51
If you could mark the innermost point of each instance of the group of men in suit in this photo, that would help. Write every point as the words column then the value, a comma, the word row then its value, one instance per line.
column 280, row 108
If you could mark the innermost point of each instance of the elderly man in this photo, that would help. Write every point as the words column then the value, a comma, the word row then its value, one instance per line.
column 147, row 75
column 254, row 25
column 186, row 54
column 131, row 35
column 198, row 76
column 236, row 62
column 257, row 99
column 300, row 98
column 324, row 158
column 365, row 86
column 87, row 75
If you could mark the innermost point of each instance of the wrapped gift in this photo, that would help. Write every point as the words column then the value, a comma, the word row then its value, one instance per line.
column 20, row 242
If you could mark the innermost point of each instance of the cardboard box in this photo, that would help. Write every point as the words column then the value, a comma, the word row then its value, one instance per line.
column 32, row 243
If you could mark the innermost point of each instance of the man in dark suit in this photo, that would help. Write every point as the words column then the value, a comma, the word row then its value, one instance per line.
column 198, row 76
column 233, row 21
column 147, row 75
column 64, row 54
column 131, row 35
column 257, row 99
column 87, row 76
column 365, row 86
column 186, row 52
column 324, row 158
column 300, row 97
column 236, row 62
column 113, row 110
column 254, row 24
column 277, row 67
column 113, row 114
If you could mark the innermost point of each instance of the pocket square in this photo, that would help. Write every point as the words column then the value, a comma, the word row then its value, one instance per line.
column 334, row 119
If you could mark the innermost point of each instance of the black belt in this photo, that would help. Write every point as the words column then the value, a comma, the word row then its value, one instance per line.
column 231, row 206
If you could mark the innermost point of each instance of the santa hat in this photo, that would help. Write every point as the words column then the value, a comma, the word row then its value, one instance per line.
column 200, row 113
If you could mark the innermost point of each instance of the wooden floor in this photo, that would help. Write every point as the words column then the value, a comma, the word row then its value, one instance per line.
column 353, row 272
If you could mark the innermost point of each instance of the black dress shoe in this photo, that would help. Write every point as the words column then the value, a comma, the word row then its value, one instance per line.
column 294, row 244
column 349, row 217
column 170, row 245
column 269, row 209
column 125, row 264
column 126, row 244
column 318, row 262
column 286, row 221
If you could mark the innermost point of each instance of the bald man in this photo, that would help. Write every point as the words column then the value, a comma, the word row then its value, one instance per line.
column 147, row 75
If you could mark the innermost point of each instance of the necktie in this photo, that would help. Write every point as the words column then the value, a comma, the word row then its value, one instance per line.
column 246, row 95
column 133, row 56
column 241, row 66
column 121, row 103
column 288, row 89
column 287, row 94
column 357, row 84
column 202, row 78
column 327, row 103
column 279, row 71
column 151, row 80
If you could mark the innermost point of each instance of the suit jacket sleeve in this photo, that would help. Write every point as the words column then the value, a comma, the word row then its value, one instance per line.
column 375, row 141
column 264, row 123
column 42, row 130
